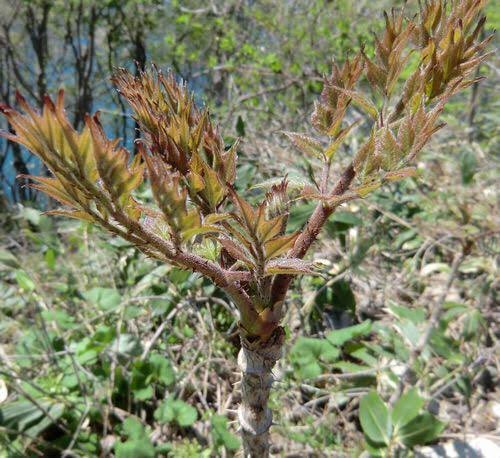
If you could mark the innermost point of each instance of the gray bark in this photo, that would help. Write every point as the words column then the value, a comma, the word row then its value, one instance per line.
column 256, row 361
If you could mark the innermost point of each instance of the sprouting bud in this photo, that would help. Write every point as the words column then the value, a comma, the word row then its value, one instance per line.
column 277, row 201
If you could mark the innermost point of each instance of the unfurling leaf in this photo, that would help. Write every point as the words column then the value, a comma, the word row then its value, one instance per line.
column 77, row 214
column 171, row 198
column 367, row 188
column 288, row 266
column 338, row 140
column 248, row 216
column 118, row 176
column 360, row 100
column 401, row 174
column 330, row 110
column 50, row 136
column 307, row 145
column 280, row 245
column 57, row 188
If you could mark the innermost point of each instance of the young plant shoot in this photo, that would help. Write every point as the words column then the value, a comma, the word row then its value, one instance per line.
column 192, row 176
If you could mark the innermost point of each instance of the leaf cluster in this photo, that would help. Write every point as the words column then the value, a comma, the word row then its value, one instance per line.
column 402, row 425
column 182, row 157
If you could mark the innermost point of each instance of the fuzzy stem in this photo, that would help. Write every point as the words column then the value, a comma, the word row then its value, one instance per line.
column 256, row 360
column 310, row 233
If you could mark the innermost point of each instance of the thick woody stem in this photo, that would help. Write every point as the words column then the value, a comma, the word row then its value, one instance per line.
column 256, row 361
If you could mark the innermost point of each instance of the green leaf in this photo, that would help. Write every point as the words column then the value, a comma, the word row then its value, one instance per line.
column 126, row 345
column 240, row 127
column 421, row 430
column 347, row 367
column 308, row 354
column 179, row 276
column 472, row 324
column 347, row 218
column 163, row 369
column 374, row 418
column 176, row 411
column 409, row 331
column 337, row 142
column 140, row 384
column 24, row 281
column 361, row 101
column 340, row 336
column 407, row 408
column 143, row 394
column 221, row 435
column 63, row 319
column 104, row 298
column 468, row 166
column 133, row 428
column 23, row 415
column 55, row 412
column 299, row 214
column 452, row 311
column 50, row 258
column 340, row 295
column 306, row 144
column 415, row 315
column 362, row 353
column 136, row 448
column 8, row 259
column 375, row 450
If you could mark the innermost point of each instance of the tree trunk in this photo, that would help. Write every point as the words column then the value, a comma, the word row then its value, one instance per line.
column 256, row 361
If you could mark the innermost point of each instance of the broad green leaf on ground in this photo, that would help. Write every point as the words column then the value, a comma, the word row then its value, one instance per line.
column 340, row 295
column 104, row 298
column 472, row 324
column 421, row 430
column 126, row 345
column 415, row 315
column 157, row 369
column 347, row 367
column 24, row 280
column 50, row 258
column 409, row 331
column 308, row 353
column 141, row 383
column 361, row 352
column 8, row 259
column 349, row 219
column 176, row 411
column 133, row 428
column 407, row 408
column 62, row 318
column 340, row 336
column 374, row 418
column 221, row 435
column 135, row 448
column 375, row 450
column 163, row 369
column 23, row 415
